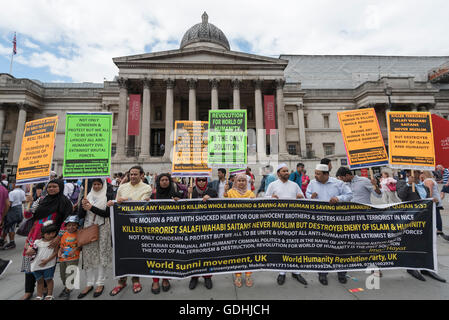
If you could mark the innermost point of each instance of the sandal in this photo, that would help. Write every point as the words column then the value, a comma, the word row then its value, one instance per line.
column 49, row 298
column 137, row 287
column 238, row 281
column 117, row 290
column 38, row 298
column 249, row 282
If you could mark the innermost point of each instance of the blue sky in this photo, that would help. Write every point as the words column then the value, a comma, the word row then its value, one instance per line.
column 61, row 41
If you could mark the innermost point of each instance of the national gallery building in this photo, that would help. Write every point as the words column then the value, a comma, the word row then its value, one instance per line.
column 204, row 73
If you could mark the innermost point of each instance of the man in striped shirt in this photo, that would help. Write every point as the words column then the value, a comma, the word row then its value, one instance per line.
column 445, row 180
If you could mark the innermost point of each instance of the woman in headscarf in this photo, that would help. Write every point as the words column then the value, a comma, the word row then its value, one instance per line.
column 240, row 190
column 164, row 191
column 201, row 190
column 54, row 206
column 97, row 255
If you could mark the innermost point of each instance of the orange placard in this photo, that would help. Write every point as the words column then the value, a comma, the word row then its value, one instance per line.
column 190, row 149
column 410, row 140
column 36, row 154
column 363, row 139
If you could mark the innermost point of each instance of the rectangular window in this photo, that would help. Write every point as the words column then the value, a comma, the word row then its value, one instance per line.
column 115, row 119
column 292, row 149
column 113, row 149
column 329, row 149
column 290, row 120
column 306, row 121
column 325, row 120
column 158, row 114
column 310, row 154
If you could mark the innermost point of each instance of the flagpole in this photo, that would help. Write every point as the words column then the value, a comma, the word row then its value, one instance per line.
column 10, row 66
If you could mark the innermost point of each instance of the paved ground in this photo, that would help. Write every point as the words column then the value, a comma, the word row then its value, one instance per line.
column 395, row 284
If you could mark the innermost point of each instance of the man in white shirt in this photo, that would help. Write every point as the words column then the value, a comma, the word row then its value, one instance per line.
column 14, row 216
column 219, row 185
column 325, row 188
column 283, row 188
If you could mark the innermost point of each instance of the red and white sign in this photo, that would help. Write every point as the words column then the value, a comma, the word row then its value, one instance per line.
column 270, row 115
column 441, row 140
column 134, row 115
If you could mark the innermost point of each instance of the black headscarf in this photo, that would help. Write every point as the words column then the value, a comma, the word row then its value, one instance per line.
column 58, row 203
column 166, row 193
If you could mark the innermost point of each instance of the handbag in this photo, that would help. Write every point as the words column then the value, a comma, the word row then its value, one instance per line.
column 392, row 187
column 88, row 235
column 25, row 227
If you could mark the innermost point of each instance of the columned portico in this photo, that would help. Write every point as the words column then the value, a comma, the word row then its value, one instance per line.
column 260, row 131
column 214, row 83
column 281, row 115
column 169, row 102
column 192, row 98
column 19, row 132
column 146, row 121
column 122, row 117
column 2, row 122
column 236, row 93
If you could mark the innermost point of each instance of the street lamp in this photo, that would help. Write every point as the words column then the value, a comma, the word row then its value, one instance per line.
column 4, row 152
column 389, row 92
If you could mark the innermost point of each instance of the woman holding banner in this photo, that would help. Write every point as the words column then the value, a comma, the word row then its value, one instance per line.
column 54, row 206
column 165, row 190
column 240, row 190
column 96, row 255
column 201, row 190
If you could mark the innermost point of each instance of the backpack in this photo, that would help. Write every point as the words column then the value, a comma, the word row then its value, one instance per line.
column 75, row 194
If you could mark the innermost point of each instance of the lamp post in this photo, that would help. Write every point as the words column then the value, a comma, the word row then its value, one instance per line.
column 389, row 92
column 4, row 152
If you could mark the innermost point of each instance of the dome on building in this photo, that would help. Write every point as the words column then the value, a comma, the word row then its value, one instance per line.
column 204, row 32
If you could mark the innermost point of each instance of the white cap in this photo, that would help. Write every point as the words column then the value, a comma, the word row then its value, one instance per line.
column 282, row 165
column 322, row 167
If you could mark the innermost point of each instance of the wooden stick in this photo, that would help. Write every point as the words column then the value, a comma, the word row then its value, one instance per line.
column 371, row 173
column 413, row 177
column 85, row 189
column 31, row 193
column 191, row 186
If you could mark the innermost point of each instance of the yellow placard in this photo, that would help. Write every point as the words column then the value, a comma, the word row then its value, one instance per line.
column 410, row 139
column 363, row 139
column 190, row 149
column 36, row 154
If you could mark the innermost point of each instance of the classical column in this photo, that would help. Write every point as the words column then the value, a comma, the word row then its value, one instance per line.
column 122, row 116
column 192, row 98
column 260, row 131
column 302, row 130
column 281, row 115
column 19, row 133
column 169, row 102
column 214, row 93
column 236, row 93
column 146, row 120
column 2, row 122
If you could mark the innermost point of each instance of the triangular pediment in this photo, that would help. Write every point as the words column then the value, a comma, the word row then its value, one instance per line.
column 200, row 55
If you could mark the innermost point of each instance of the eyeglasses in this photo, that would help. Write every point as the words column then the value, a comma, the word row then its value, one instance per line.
column 201, row 180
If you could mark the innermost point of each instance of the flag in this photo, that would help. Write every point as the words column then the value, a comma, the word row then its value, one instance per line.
column 14, row 42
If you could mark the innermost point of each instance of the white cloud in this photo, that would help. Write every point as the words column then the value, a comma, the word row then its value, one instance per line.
column 27, row 43
column 78, row 39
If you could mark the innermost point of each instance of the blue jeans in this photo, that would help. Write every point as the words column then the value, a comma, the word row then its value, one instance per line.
column 47, row 274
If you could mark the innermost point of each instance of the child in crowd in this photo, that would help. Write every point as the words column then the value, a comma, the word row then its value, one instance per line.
column 44, row 263
column 69, row 252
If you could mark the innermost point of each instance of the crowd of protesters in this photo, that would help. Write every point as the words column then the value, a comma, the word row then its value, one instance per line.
column 55, row 211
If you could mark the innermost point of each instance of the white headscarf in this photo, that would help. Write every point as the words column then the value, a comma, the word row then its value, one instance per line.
column 98, row 199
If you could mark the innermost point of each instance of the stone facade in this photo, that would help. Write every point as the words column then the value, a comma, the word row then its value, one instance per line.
column 204, row 74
